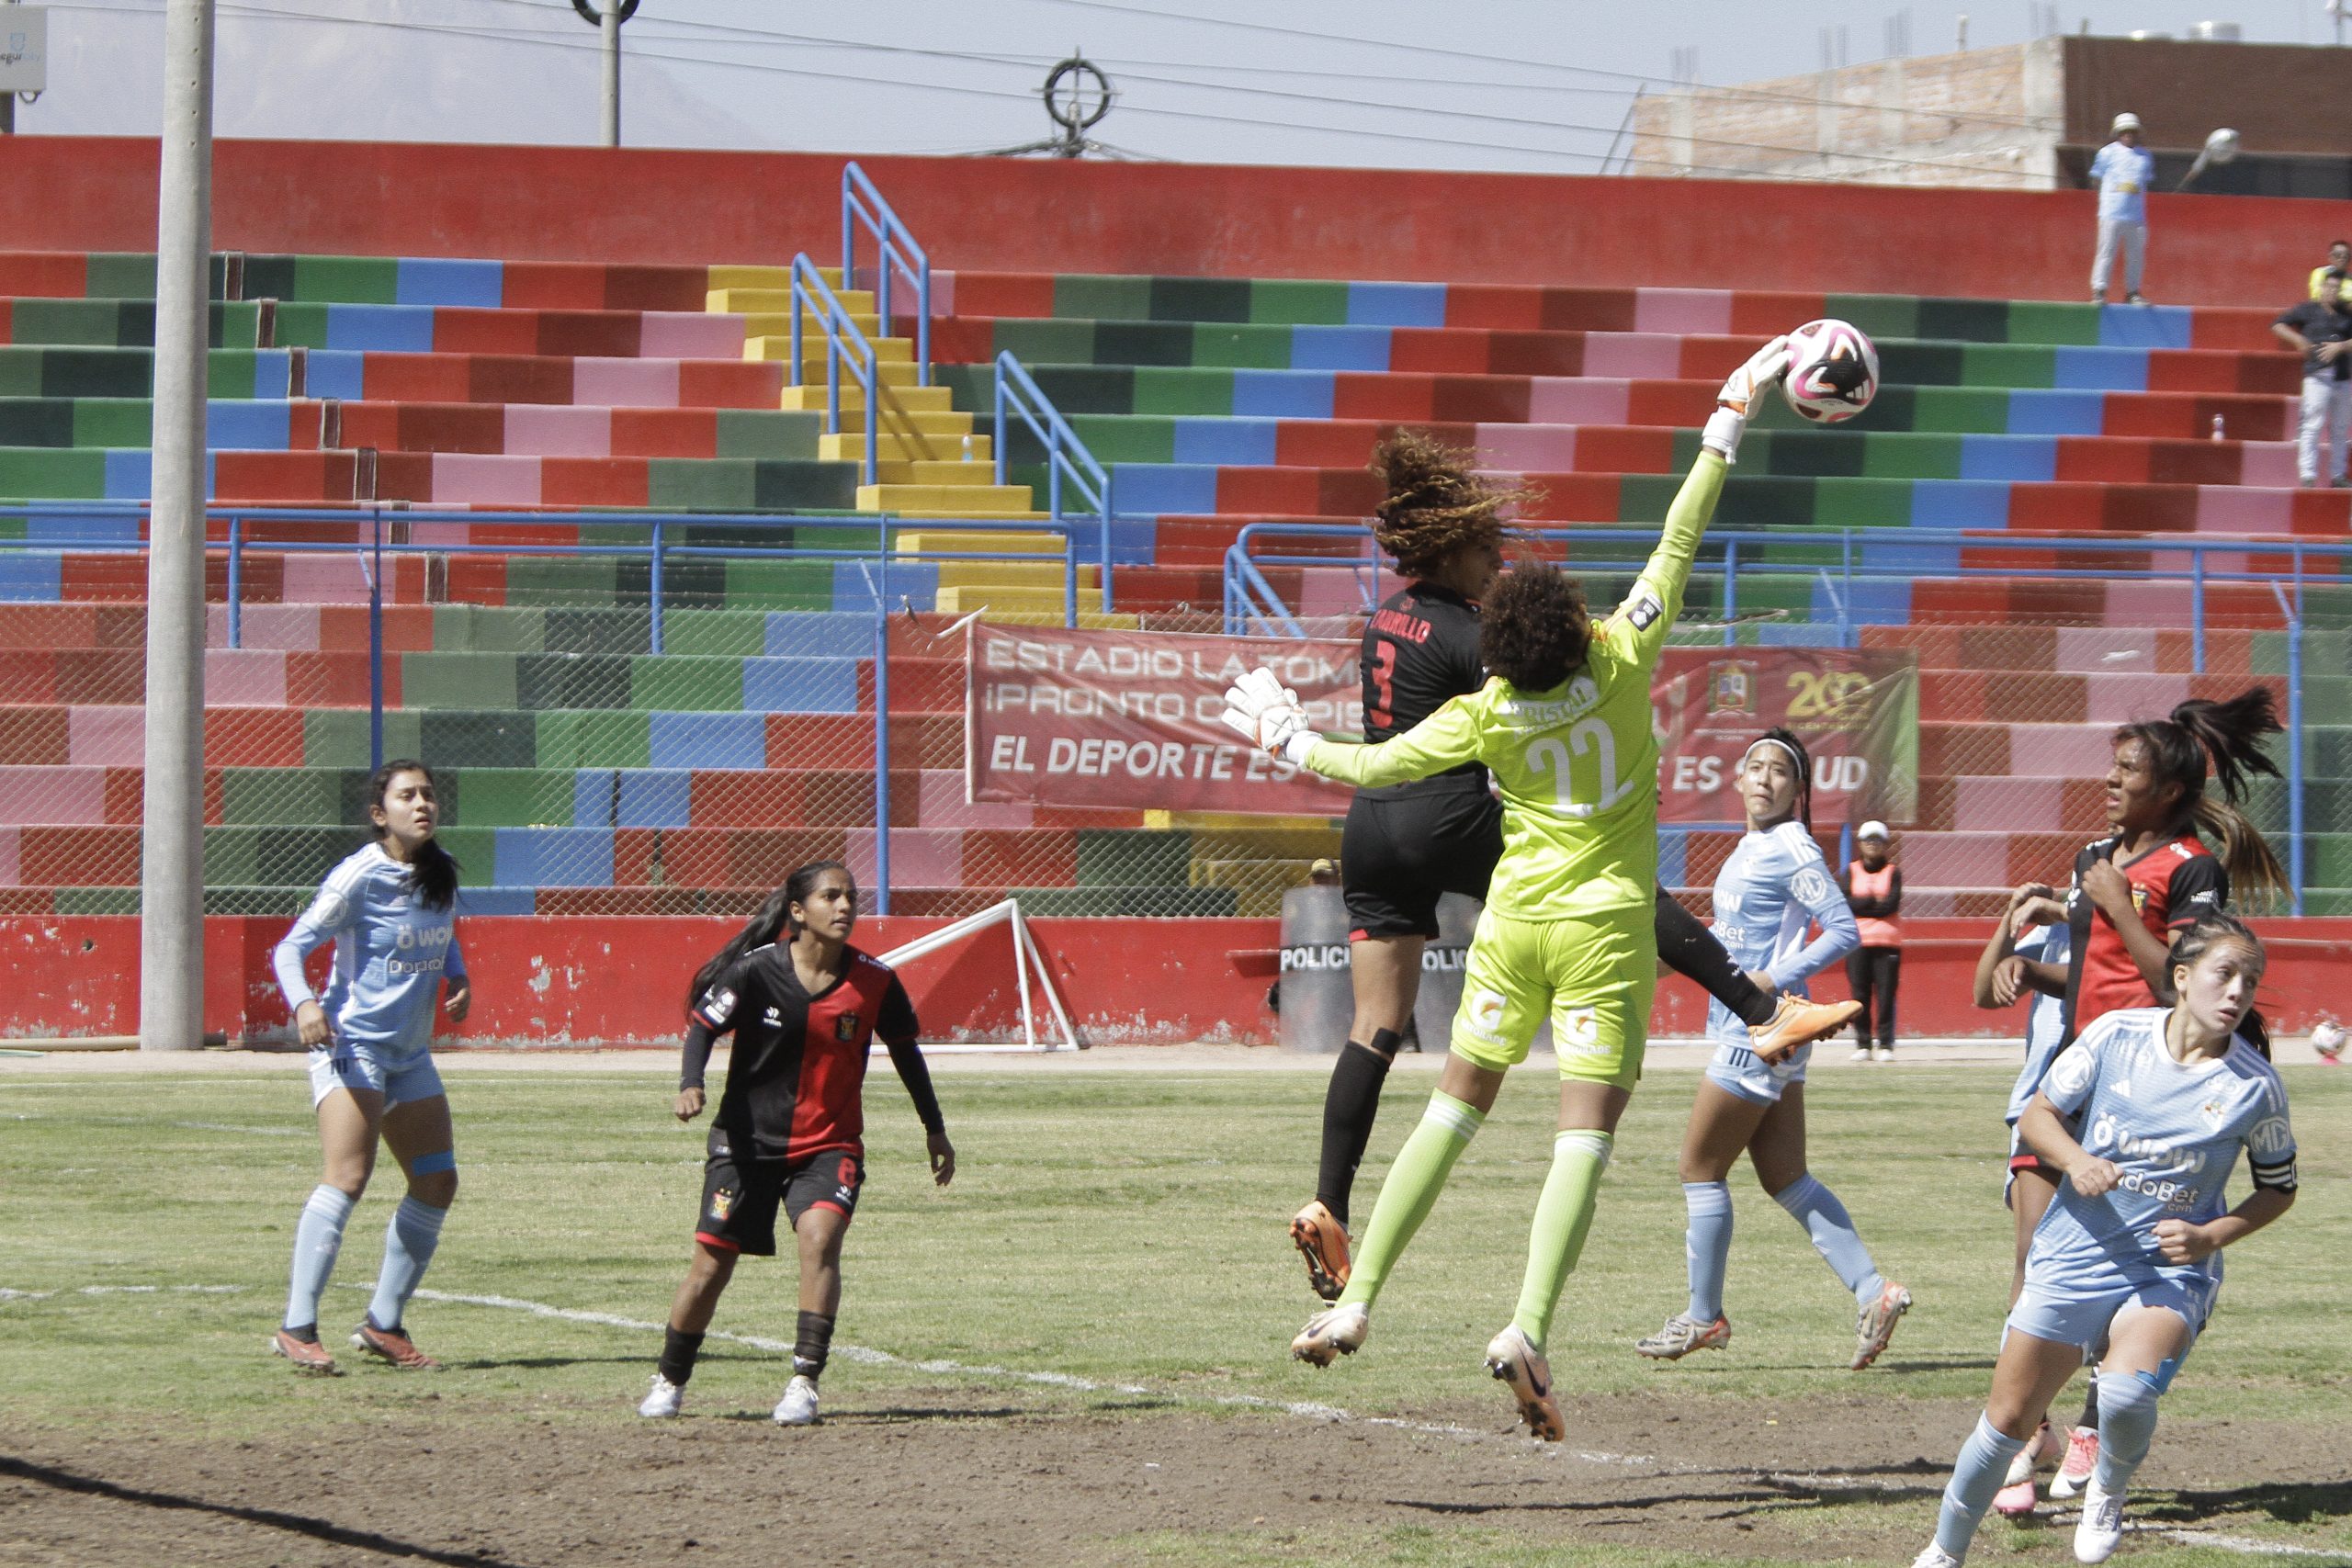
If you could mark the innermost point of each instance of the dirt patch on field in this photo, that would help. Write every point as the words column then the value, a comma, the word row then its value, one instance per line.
column 985, row 1475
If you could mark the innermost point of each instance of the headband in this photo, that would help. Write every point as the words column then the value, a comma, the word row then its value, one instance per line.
column 1794, row 760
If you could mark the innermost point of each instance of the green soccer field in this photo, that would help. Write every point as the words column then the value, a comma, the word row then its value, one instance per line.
column 1107, row 1279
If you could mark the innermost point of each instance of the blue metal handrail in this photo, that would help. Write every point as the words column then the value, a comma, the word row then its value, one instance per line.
column 812, row 294
column 895, row 251
column 1066, row 455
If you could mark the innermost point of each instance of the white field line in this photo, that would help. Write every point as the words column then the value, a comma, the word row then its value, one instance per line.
column 1307, row 1409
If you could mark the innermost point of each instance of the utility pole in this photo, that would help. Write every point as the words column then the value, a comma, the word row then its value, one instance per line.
column 609, row 23
column 171, row 874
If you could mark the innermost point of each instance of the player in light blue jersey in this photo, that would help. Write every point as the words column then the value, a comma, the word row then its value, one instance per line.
column 1770, row 893
column 2163, row 1098
column 390, row 911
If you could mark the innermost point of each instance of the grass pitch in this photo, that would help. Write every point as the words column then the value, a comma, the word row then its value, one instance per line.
column 1107, row 1279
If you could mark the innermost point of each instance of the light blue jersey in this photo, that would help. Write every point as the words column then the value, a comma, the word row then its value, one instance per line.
column 1768, row 894
column 2045, row 1020
column 2123, row 175
column 2175, row 1130
column 390, row 956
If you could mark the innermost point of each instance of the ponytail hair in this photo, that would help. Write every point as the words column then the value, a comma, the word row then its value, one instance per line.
column 769, row 924
column 2225, row 736
column 2220, row 929
column 1788, row 741
column 431, row 870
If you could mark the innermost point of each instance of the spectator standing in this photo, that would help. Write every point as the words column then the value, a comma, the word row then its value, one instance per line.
column 1873, row 889
column 2339, row 261
column 2123, row 170
column 2320, row 328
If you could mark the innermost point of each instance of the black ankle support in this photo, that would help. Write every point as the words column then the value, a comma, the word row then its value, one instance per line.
column 811, row 1344
column 678, row 1353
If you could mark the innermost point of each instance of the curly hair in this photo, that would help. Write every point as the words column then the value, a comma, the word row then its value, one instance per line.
column 1533, row 631
column 1435, row 504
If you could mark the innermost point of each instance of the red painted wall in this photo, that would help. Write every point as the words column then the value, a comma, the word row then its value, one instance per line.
column 1126, row 982
column 591, row 204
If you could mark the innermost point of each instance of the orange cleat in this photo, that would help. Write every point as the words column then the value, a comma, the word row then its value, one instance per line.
column 308, row 1355
column 1322, row 1240
column 393, row 1345
column 1798, row 1022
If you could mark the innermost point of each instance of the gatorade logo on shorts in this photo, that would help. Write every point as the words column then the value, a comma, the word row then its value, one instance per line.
column 1485, row 1011
column 1578, row 1030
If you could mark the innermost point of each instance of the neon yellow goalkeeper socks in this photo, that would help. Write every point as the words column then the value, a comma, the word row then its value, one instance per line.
column 1410, row 1191
column 1563, row 1215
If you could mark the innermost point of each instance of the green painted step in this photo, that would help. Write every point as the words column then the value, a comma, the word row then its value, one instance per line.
column 120, row 323
column 34, row 372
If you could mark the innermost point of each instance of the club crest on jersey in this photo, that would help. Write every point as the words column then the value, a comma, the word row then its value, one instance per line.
column 2139, row 900
column 1731, row 687
column 2213, row 1114
column 845, row 1028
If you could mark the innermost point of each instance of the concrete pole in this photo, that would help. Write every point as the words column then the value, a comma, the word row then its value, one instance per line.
column 609, row 25
column 171, row 930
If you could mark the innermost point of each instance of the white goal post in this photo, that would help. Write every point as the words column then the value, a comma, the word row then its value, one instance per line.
column 1024, row 958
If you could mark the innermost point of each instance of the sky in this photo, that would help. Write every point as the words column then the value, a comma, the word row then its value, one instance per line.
column 1515, row 84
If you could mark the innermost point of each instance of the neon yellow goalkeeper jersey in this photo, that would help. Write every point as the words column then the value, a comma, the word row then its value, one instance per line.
column 1577, row 765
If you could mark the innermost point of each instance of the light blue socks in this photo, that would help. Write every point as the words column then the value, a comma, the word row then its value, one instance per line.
column 409, row 1242
column 1707, row 1246
column 2127, row 1420
column 1983, row 1464
column 317, row 1239
column 1825, row 1219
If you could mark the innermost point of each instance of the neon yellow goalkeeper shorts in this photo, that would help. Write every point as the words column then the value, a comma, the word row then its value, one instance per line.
column 1594, row 979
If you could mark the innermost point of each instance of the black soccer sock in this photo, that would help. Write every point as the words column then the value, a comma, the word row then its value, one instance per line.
column 1349, row 1106
column 1688, row 948
column 812, row 1342
column 2090, row 1402
column 678, row 1353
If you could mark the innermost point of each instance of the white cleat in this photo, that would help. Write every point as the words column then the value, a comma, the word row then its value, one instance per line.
column 2102, row 1530
column 799, row 1406
column 2082, row 1458
column 1332, row 1333
column 1521, row 1367
column 661, row 1401
column 1935, row 1557
column 1882, row 1054
column 1861, row 1053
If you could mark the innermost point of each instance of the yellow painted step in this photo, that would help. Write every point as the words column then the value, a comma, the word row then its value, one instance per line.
column 1014, row 601
column 737, row 277
column 894, row 372
column 778, row 345
column 992, row 574
column 778, row 323
column 946, row 500
column 954, row 514
column 751, row 302
column 913, row 400
column 952, row 471
column 898, row 446
column 1008, row 542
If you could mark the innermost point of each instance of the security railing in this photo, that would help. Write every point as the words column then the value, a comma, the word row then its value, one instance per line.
column 897, row 253
column 1067, row 460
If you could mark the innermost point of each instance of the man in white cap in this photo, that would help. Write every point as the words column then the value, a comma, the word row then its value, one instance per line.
column 1873, row 890
column 2124, row 171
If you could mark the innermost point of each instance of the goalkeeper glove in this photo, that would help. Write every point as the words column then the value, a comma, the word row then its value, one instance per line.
column 1268, row 715
column 1737, row 400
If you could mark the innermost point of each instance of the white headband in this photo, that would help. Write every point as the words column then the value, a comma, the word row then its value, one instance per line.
column 1794, row 760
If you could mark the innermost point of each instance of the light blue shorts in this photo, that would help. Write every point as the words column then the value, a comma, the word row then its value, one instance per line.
column 348, row 1065
column 1739, row 1071
column 2083, row 1319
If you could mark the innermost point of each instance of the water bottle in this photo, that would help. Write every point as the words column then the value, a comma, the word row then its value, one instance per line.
column 968, row 440
column 2219, row 435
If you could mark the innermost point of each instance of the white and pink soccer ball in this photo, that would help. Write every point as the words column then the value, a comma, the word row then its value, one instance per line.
column 1832, row 371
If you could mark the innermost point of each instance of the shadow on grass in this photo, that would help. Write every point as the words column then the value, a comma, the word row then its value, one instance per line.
column 273, row 1519
column 546, row 1363
column 1731, row 1493
column 2288, row 1503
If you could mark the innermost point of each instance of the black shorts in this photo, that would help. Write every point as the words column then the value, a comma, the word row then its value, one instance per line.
column 1398, row 857
column 740, row 1197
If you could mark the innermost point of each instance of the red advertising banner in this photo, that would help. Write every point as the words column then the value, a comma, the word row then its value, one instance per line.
column 1856, row 712
column 1129, row 719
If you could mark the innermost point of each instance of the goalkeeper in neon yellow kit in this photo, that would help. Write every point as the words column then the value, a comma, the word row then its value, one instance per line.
column 1568, row 932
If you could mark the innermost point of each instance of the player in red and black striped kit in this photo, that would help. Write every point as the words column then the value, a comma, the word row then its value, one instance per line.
column 790, row 1124
column 1407, row 845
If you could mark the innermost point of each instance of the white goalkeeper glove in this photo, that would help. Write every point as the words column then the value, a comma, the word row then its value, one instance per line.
column 1268, row 715
column 1737, row 400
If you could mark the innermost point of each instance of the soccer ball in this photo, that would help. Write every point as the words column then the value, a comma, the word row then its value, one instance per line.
column 2327, row 1039
column 1832, row 371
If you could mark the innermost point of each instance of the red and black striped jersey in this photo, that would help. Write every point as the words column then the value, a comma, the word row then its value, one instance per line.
column 1421, row 649
column 794, row 1083
column 2172, row 885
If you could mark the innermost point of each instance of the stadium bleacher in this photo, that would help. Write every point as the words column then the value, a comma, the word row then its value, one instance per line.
column 591, row 774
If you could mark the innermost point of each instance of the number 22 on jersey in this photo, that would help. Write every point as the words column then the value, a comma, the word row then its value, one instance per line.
column 1593, row 735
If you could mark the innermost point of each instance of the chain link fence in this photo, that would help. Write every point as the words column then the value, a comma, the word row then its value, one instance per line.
column 585, row 772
